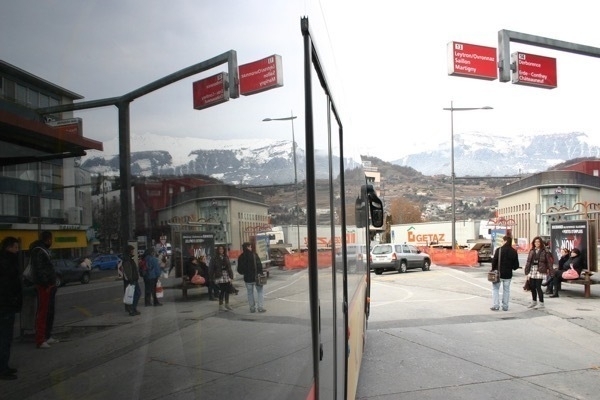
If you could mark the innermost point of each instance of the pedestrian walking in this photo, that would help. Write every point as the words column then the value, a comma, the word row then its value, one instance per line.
column 44, row 279
column 249, row 265
column 153, row 272
column 505, row 260
column 538, row 265
column 11, row 301
column 131, row 276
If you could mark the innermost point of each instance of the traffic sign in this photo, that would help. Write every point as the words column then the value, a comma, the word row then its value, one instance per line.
column 210, row 91
column 534, row 70
column 472, row 61
column 261, row 75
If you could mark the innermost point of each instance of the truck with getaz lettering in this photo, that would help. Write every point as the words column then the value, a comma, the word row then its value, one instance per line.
column 436, row 233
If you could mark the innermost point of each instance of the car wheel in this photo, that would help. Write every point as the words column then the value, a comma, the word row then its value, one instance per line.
column 403, row 267
column 378, row 271
column 426, row 265
column 59, row 281
column 85, row 278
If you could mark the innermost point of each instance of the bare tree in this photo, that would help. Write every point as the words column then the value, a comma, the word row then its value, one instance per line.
column 107, row 218
column 404, row 211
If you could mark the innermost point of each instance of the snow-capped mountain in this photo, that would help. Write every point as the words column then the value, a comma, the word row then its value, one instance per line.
column 480, row 155
column 267, row 162
column 252, row 162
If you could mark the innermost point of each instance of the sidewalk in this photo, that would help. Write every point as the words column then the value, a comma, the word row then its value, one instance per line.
column 101, row 343
column 455, row 347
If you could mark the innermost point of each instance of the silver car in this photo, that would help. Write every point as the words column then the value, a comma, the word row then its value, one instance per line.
column 398, row 257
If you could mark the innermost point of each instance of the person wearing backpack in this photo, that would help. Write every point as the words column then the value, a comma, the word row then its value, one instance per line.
column 153, row 272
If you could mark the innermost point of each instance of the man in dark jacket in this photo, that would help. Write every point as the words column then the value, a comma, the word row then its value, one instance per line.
column 506, row 260
column 249, row 265
column 11, row 301
column 131, row 276
column 44, row 279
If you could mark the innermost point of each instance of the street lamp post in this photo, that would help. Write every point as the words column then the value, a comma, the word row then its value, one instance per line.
column 291, row 118
column 453, row 175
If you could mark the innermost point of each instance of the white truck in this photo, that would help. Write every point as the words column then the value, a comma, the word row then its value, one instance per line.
column 437, row 233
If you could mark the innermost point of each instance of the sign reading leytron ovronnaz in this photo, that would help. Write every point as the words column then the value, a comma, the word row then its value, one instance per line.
column 534, row 70
column 472, row 61
column 261, row 75
column 210, row 91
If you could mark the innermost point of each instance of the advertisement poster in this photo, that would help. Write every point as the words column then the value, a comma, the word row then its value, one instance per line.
column 196, row 244
column 569, row 235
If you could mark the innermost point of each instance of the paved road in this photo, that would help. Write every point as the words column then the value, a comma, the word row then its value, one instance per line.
column 432, row 335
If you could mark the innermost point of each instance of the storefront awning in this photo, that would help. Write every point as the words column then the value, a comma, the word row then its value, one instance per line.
column 61, row 239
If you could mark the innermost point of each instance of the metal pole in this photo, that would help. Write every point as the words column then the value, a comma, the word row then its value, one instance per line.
column 296, row 182
column 453, row 176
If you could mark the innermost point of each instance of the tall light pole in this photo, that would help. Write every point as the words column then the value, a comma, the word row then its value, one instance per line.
column 291, row 118
column 453, row 175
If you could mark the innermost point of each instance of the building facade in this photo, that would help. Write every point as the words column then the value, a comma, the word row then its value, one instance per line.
column 41, row 184
column 233, row 215
column 528, row 206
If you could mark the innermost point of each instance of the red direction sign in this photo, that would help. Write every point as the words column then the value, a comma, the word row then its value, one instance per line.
column 472, row 61
column 210, row 91
column 261, row 75
column 68, row 127
column 534, row 70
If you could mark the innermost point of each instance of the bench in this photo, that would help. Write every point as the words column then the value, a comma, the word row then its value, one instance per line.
column 186, row 284
column 586, row 280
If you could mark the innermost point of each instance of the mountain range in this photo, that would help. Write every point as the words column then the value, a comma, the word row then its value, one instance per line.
column 268, row 162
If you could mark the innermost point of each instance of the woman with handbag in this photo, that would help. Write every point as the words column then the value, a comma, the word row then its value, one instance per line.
column 505, row 260
column 222, row 274
column 538, row 265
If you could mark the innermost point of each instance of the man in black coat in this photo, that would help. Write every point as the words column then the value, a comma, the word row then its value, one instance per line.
column 11, row 301
column 249, row 265
column 506, row 260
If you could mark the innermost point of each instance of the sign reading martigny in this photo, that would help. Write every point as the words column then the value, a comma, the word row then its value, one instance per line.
column 472, row 61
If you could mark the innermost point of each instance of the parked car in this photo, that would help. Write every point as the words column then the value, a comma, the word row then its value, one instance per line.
column 69, row 271
column 398, row 257
column 484, row 252
column 107, row 261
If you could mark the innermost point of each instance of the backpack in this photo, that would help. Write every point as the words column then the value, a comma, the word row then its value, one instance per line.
column 143, row 267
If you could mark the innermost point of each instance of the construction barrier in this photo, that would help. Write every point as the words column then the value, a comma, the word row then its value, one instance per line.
column 300, row 260
column 446, row 257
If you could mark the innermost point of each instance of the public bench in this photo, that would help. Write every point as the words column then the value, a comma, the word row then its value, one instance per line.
column 586, row 280
column 186, row 284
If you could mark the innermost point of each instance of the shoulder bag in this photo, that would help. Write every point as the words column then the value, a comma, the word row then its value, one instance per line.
column 494, row 275
column 261, row 279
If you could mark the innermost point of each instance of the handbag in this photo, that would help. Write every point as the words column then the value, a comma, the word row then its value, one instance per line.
column 128, row 296
column 571, row 273
column 261, row 280
column 159, row 290
column 28, row 273
column 526, row 286
column 494, row 276
column 197, row 279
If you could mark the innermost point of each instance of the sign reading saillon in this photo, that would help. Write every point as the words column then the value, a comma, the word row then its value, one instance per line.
column 255, row 77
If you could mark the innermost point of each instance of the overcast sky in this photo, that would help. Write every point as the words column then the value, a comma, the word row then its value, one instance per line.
column 386, row 60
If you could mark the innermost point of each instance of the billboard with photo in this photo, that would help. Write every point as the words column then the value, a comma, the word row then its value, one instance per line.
column 196, row 244
column 570, row 235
